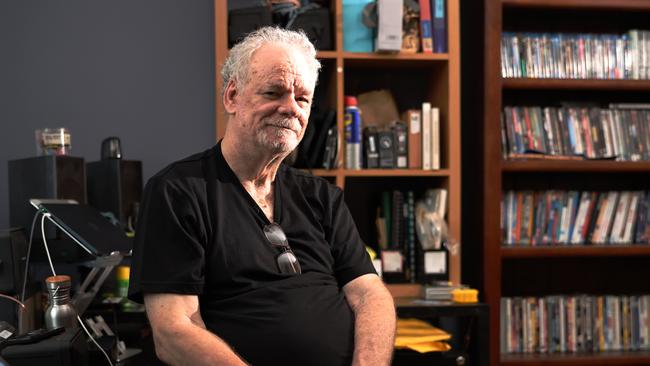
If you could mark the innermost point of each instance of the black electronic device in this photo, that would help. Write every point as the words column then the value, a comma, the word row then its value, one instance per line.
column 92, row 231
column 370, row 148
column 65, row 349
column 13, row 253
column 115, row 185
column 386, row 142
column 32, row 336
column 51, row 177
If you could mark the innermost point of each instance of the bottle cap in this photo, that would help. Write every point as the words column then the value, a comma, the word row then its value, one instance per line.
column 123, row 272
column 350, row 101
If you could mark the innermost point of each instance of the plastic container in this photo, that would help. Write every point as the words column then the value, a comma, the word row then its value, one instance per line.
column 53, row 141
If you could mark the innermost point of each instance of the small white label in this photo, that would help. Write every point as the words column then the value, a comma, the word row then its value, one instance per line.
column 434, row 263
column 415, row 123
column 392, row 261
column 5, row 334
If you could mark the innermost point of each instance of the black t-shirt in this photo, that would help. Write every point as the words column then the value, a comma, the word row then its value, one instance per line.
column 200, row 232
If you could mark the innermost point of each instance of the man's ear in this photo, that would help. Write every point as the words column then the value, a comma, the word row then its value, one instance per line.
column 229, row 95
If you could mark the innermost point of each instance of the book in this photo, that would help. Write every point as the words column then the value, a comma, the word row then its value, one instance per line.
column 411, row 28
column 439, row 29
column 413, row 119
column 435, row 138
column 426, row 136
column 425, row 26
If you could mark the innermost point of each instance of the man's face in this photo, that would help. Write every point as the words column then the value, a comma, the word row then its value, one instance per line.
column 272, row 107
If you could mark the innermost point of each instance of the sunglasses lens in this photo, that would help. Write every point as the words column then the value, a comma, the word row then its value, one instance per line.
column 288, row 263
column 275, row 235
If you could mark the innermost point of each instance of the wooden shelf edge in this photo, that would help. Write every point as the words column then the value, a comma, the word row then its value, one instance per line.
column 380, row 172
column 586, row 166
column 569, row 359
column 575, row 84
column 396, row 56
column 579, row 4
column 576, row 251
column 326, row 55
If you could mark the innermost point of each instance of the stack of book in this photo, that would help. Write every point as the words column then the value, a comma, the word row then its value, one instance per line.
column 532, row 218
column 575, row 323
column 576, row 56
column 621, row 132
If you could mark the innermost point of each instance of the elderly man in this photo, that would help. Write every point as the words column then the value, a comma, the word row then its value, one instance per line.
column 242, row 259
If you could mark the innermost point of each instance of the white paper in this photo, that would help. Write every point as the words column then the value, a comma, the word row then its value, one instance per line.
column 434, row 263
column 392, row 261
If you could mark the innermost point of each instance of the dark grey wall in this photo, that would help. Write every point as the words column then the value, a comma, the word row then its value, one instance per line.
column 142, row 70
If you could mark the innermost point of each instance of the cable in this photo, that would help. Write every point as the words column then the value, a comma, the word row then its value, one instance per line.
column 29, row 251
column 47, row 251
column 94, row 341
column 14, row 300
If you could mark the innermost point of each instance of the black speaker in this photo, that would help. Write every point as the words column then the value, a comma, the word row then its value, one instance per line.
column 115, row 185
column 13, row 253
column 52, row 176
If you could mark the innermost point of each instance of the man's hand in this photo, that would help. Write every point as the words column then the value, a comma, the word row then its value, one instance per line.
column 180, row 335
column 374, row 327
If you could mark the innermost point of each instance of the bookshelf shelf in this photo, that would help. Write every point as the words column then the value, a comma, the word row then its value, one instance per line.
column 395, row 173
column 575, row 166
column 579, row 4
column 575, row 251
column 591, row 359
column 396, row 56
column 327, row 55
column 576, row 84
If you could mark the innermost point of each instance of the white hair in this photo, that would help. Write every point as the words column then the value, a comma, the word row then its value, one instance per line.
column 236, row 66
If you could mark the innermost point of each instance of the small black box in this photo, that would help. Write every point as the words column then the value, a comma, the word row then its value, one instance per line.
column 52, row 176
column 386, row 141
column 65, row 349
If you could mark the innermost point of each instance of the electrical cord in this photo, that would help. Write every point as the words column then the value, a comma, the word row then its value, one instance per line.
column 29, row 251
column 47, row 251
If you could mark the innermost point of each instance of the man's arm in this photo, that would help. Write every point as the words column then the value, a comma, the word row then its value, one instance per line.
column 180, row 335
column 374, row 327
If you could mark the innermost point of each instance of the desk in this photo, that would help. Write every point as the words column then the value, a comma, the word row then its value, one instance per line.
column 476, row 335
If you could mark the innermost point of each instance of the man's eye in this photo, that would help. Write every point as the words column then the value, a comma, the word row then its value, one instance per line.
column 303, row 100
column 270, row 94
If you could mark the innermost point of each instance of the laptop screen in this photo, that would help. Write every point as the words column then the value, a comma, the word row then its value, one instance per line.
column 86, row 224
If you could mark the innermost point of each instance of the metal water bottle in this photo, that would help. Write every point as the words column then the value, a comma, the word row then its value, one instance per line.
column 60, row 312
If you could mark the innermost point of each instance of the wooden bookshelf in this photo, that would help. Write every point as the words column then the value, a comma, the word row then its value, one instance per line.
column 412, row 79
column 575, row 251
column 590, row 359
column 546, row 270
column 576, row 84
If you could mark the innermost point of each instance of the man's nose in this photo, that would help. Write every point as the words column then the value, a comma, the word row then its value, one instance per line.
column 289, row 105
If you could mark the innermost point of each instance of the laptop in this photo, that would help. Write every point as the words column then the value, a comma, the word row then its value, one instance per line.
column 94, row 232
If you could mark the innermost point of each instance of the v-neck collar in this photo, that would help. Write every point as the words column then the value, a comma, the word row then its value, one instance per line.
column 277, row 191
